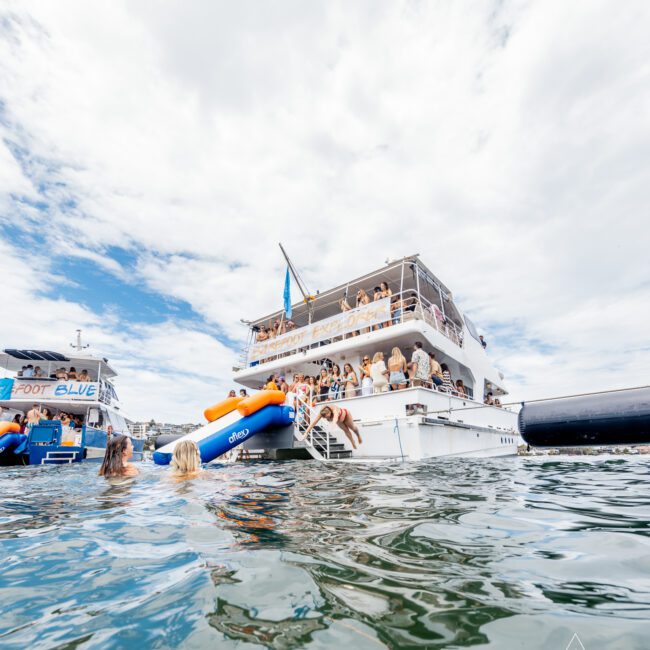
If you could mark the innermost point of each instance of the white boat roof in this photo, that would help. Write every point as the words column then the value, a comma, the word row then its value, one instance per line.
column 325, row 303
column 13, row 360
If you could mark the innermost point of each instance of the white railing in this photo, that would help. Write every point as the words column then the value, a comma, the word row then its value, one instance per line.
column 413, row 306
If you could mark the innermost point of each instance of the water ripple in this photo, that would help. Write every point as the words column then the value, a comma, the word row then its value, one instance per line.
column 496, row 553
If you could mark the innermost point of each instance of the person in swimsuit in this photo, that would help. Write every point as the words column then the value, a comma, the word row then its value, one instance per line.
column 386, row 293
column 119, row 449
column 342, row 418
column 335, row 382
column 323, row 385
column 397, row 368
column 186, row 461
column 351, row 381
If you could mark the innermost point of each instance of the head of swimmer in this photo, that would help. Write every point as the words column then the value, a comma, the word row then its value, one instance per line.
column 118, row 451
column 186, row 458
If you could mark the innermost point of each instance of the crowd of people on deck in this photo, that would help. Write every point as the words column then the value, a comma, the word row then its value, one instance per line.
column 373, row 375
column 71, row 374
column 39, row 413
column 274, row 329
column 399, row 305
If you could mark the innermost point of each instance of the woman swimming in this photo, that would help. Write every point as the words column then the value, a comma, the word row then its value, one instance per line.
column 116, row 458
column 342, row 418
column 186, row 461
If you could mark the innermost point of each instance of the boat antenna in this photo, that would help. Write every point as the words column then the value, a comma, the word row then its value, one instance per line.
column 307, row 296
column 78, row 347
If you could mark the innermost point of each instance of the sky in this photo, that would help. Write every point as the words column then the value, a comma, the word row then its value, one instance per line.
column 153, row 154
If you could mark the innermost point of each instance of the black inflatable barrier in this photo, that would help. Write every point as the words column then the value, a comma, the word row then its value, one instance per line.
column 611, row 419
column 165, row 439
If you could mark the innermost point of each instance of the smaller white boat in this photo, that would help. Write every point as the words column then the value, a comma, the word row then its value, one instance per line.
column 77, row 401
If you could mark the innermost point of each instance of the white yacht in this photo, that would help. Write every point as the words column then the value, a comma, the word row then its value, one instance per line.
column 76, row 384
column 412, row 423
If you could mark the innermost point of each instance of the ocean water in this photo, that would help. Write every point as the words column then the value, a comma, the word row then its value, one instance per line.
column 458, row 553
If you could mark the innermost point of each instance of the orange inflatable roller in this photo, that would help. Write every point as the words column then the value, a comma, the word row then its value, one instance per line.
column 258, row 401
column 222, row 408
column 9, row 427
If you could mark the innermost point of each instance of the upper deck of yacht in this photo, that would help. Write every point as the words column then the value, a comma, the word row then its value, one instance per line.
column 43, row 375
column 413, row 292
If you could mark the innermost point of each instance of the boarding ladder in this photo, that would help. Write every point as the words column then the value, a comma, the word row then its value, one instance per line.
column 59, row 457
column 323, row 445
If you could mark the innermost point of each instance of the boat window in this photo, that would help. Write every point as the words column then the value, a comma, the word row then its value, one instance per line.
column 471, row 328
column 118, row 422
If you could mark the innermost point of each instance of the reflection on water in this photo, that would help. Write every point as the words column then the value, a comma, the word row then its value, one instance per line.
column 498, row 553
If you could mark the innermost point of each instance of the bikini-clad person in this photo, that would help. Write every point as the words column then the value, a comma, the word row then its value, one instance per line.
column 363, row 299
column 397, row 369
column 323, row 385
column 351, row 381
column 119, row 450
column 386, row 293
column 335, row 382
column 186, row 461
column 343, row 419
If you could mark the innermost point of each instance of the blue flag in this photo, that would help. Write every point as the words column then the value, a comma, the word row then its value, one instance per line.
column 287, row 295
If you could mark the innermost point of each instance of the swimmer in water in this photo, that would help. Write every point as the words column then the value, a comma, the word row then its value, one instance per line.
column 343, row 419
column 186, row 461
column 119, row 450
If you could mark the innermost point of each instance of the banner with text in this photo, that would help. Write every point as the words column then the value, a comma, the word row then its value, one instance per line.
column 55, row 390
column 329, row 328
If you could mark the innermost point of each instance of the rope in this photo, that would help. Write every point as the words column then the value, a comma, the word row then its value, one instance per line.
column 399, row 438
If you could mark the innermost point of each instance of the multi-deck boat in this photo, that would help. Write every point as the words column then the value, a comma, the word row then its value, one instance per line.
column 415, row 422
column 85, row 394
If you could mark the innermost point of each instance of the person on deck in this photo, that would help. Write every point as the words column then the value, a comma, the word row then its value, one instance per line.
column 366, row 378
column 351, row 380
column 72, row 374
column 270, row 383
column 447, row 384
column 34, row 415
column 342, row 418
column 420, row 366
column 119, row 449
column 386, row 293
column 28, row 371
column 460, row 388
column 397, row 368
column 323, row 385
column 436, row 371
column 379, row 373
column 336, row 381
column 84, row 376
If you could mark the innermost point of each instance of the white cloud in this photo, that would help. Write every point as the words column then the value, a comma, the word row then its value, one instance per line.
column 168, row 371
column 507, row 143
